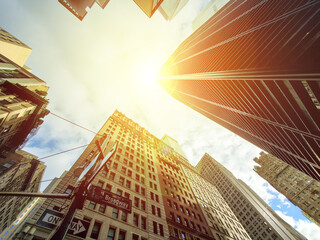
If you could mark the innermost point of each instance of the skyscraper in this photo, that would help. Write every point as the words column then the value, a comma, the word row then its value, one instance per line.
column 159, row 182
column 148, row 6
column 79, row 7
column 259, row 220
column 212, row 8
column 299, row 188
column 23, row 172
column 170, row 8
column 252, row 68
column 22, row 95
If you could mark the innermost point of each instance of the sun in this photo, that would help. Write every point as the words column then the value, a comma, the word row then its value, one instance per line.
column 148, row 74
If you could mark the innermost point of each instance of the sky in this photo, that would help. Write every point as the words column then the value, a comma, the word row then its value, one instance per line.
column 109, row 61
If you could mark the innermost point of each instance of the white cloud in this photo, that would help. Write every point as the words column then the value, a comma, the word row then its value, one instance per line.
column 281, row 197
column 306, row 227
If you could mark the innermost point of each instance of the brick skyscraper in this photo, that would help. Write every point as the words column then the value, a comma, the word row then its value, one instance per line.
column 162, row 185
column 254, row 68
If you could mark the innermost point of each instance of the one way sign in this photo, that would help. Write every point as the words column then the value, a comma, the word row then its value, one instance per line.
column 50, row 218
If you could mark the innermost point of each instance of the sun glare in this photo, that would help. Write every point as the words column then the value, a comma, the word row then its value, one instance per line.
column 147, row 74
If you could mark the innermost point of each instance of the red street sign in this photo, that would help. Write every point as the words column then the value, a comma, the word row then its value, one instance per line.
column 102, row 196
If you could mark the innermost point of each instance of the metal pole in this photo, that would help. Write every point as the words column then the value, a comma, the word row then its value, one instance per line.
column 43, row 195
column 77, row 203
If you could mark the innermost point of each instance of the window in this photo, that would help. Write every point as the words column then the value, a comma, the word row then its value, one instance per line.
column 129, row 173
column 186, row 222
column 104, row 173
column 121, row 180
column 161, row 230
column 115, row 165
column 124, row 216
column 136, row 202
column 178, row 219
column 102, row 208
column 136, row 219
column 172, row 215
column 128, row 184
column 95, row 230
column 108, row 187
column 100, row 184
column 143, row 223
column 159, row 212
column 92, row 205
column 157, row 198
column 175, row 206
column 115, row 213
column 112, row 175
column 155, row 228
column 126, row 195
column 123, row 170
column 137, row 188
column 111, row 233
column 135, row 236
column 143, row 205
column 153, row 210
column 137, row 177
column 152, row 195
column 122, row 235
column 119, row 192
column 69, row 189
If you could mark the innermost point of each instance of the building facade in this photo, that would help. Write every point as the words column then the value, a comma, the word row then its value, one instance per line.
column 259, row 220
column 153, row 176
column 299, row 188
column 79, row 8
column 148, row 6
column 212, row 8
column 252, row 68
column 23, row 173
column 22, row 95
column 170, row 8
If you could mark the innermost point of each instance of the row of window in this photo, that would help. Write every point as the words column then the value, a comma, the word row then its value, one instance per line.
column 127, row 183
column 185, row 222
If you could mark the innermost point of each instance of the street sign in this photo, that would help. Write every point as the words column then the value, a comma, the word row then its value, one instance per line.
column 102, row 196
column 96, row 165
column 50, row 219
column 105, row 140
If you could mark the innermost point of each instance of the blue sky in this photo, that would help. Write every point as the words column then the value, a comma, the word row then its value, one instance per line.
column 106, row 62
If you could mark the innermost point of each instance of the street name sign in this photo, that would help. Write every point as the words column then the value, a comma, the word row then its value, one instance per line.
column 102, row 196
column 50, row 219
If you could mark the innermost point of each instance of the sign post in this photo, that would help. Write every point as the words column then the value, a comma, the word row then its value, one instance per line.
column 81, row 191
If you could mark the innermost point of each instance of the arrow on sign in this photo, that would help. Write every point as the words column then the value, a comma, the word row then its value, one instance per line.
column 77, row 227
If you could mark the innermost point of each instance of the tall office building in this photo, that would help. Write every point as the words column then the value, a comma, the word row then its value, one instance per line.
column 252, row 68
column 22, row 95
column 299, row 188
column 174, row 144
column 259, row 220
column 79, row 7
column 16, row 229
column 24, row 173
column 212, row 8
column 156, row 179
column 170, row 8
column 148, row 6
